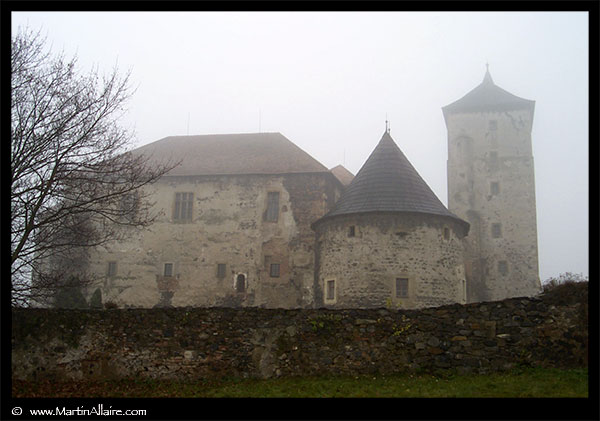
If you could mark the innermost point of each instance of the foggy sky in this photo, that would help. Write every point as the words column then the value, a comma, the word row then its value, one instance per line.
column 327, row 81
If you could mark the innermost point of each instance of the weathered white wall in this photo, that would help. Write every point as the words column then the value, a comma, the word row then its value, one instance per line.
column 227, row 227
column 386, row 247
column 471, row 170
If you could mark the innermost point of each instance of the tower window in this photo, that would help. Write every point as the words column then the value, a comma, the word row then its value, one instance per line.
column 330, row 293
column 272, row 207
column 274, row 272
column 221, row 270
column 401, row 287
column 493, row 125
column 496, row 230
column 446, row 233
column 351, row 231
column 494, row 188
column 502, row 267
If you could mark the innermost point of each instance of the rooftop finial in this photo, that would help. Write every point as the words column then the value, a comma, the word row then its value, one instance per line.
column 387, row 124
column 488, row 76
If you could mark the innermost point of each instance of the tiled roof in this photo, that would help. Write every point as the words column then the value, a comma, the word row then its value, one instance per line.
column 488, row 97
column 387, row 182
column 342, row 174
column 249, row 153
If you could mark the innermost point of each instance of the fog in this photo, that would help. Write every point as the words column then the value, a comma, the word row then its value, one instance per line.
column 328, row 81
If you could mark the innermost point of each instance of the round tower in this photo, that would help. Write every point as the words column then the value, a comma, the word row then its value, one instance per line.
column 389, row 241
column 491, row 185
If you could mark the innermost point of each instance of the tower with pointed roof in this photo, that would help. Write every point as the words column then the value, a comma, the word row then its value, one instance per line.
column 491, row 185
column 389, row 240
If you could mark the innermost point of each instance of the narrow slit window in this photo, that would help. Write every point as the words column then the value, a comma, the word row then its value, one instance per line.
column 221, row 270
column 352, row 231
column 274, row 272
column 330, row 290
column 401, row 287
column 168, row 270
column 446, row 233
column 272, row 207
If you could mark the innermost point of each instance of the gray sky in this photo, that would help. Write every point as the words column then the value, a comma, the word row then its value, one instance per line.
column 327, row 80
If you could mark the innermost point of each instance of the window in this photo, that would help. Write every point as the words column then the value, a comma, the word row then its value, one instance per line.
column 183, row 206
column 446, row 233
column 272, row 207
column 221, row 270
column 129, row 205
column 494, row 188
column 352, row 231
column 330, row 294
column 274, row 270
column 168, row 272
column 112, row 269
column 496, row 230
column 493, row 125
column 502, row 267
column 240, row 283
column 401, row 287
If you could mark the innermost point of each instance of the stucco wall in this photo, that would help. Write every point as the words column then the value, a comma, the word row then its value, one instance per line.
column 201, row 343
column 386, row 247
column 471, row 171
column 228, row 226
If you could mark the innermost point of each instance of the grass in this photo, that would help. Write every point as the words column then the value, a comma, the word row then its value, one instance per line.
column 526, row 382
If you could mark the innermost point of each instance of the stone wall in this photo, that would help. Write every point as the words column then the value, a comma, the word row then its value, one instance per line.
column 424, row 249
column 229, row 227
column 213, row 342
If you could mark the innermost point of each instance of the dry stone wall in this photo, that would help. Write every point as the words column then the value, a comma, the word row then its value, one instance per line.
column 188, row 343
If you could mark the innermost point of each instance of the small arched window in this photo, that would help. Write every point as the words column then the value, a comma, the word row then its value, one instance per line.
column 240, row 282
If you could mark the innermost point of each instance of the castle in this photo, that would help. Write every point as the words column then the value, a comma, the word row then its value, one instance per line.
column 252, row 220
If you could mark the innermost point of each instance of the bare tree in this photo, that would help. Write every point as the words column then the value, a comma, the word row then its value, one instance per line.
column 74, row 185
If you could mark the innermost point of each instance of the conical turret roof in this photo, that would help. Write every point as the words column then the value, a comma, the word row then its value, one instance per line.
column 487, row 96
column 387, row 182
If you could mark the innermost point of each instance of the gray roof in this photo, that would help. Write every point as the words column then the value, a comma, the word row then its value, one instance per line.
column 488, row 97
column 224, row 154
column 387, row 182
column 342, row 174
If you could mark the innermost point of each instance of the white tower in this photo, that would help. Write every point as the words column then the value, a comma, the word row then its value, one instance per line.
column 491, row 185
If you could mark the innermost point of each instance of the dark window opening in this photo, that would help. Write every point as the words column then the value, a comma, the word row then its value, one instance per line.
column 330, row 290
column 183, row 206
column 496, row 230
column 112, row 268
column 274, row 270
column 493, row 125
column 168, row 272
column 502, row 267
column 240, row 283
column 221, row 270
column 446, row 233
column 272, row 207
column 352, row 231
column 401, row 287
